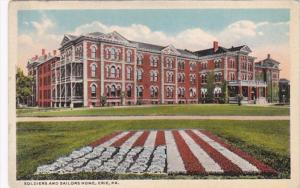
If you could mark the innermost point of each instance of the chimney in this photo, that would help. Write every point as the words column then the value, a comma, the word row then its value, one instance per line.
column 54, row 52
column 215, row 46
column 43, row 52
column 269, row 56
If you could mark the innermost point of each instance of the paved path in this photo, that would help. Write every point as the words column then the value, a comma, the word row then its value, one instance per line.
column 91, row 118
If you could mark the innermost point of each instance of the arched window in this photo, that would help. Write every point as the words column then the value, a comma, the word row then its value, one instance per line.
column 108, row 91
column 118, row 91
column 128, row 54
column 139, row 59
column 118, row 75
column 93, row 52
column 129, row 73
column 113, row 72
column 218, row 63
column 93, row 70
column 113, row 53
column 153, row 76
column 113, row 91
column 169, row 92
column 129, row 90
column 93, row 90
column 107, row 53
column 152, row 91
column 139, row 74
column 217, row 92
column 140, row 91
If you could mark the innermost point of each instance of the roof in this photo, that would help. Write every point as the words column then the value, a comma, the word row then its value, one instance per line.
column 237, row 48
column 148, row 46
column 211, row 51
column 268, row 63
column 40, row 60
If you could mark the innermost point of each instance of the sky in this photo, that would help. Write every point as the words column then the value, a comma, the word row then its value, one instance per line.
column 265, row 31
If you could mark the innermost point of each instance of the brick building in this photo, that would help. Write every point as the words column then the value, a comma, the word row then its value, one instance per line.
column 99, row 67
column 39, row 67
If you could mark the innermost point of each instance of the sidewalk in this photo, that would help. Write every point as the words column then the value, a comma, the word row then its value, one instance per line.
column 105, row 118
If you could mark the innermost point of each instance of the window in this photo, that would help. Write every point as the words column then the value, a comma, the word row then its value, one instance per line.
column 93, row 69
column 218, row 77
column 170, row 77
column 113, row 91
column 192, row 66
column 113, row 53
column 232, row 76
column 118, row 75
column 129, row 73
column 93, row 52
column 153, row 76
column 140, row 91
column 154, row 91
column 231, row 64
column 93, row 90
column 181, row 77
column 128, row 54
column 218, row 63
column 139, row 74
column 154, row 61
column 181, row 92
column 181, row 64
column 169, row 92
column 139, row 59
column 204, row 78
column 169, row 63
column 113, row 72
column 204, row 65
column 129, row 89
column 217, row 92
column 193, row 78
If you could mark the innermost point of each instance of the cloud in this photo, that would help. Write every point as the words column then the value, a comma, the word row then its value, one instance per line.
column 30, row 44
column 258, row 36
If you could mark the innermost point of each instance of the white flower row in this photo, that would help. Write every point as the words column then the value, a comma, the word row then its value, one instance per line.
column 140, row 164
column 158, row 162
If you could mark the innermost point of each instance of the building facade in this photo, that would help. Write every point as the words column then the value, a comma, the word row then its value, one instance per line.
column 96, row 69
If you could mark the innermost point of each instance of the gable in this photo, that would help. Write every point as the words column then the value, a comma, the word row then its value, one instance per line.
column 170, row 50
column 246, row 49
column 116, row 36
column 65, row 40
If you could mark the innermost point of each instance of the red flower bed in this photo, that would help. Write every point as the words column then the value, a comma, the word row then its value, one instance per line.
column 121, row 141
column 104, row 139
column 142, row 139
column 265, row 169
column 228, row 167
column 160, row 138
column 191, row 163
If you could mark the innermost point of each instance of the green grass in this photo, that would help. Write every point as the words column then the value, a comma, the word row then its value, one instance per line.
column 43, row 142
column 192, row 109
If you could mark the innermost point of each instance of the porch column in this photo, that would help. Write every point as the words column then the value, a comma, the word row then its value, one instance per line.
column 249, row 92
column 257, row 92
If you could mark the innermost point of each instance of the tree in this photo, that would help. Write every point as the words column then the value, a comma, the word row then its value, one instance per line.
column 224, row 97
column 23, row 87
column 210, row 86
column 103, row 100
column 122, row 96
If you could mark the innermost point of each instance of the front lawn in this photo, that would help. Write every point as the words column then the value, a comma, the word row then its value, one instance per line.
column 191, row 109
column 43, row 142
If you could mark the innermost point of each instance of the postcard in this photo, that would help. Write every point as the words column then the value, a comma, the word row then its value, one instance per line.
column 154, row 93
